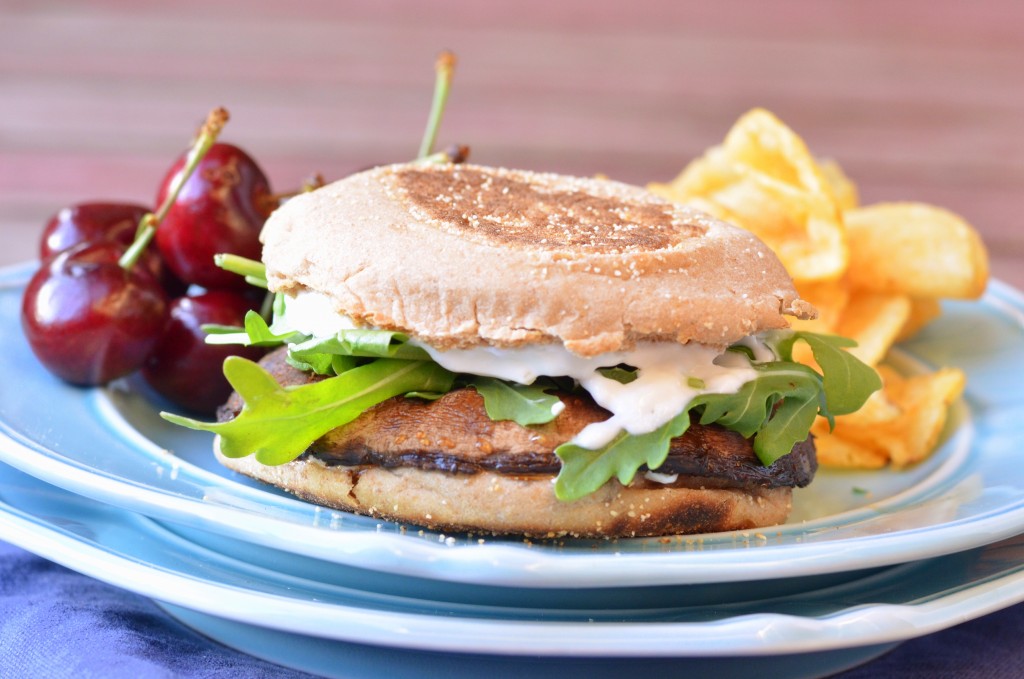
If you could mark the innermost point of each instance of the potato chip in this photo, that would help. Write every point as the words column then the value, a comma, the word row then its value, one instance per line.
column 924, row 400
column 829, row 298
column 879, row 409
column 900, row 424
column 923, row 310
column 876, row 274
column 915, row 249
column 843, row 188
column 873, row 320
column 834, row 451
column 764, row 179
column 858, row 427
column 802, row 228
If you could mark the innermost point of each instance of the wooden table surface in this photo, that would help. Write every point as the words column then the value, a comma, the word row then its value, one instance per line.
column 917, row 100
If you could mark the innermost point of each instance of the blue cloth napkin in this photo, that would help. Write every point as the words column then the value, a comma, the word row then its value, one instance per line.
column 57, row 623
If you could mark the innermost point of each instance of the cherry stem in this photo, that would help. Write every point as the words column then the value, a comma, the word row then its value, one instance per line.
column 274, row 200
column 453, row 154
column 445, row 67
column 208, row 134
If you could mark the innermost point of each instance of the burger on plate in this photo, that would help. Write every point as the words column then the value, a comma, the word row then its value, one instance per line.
column 493, row 351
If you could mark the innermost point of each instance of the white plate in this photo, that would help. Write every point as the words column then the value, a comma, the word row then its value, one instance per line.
column 110, row 445
column 286, row 618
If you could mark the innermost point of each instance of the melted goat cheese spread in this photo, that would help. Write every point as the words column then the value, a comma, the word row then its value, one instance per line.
column 667, row 379
column 669, row 375
column 312, row 313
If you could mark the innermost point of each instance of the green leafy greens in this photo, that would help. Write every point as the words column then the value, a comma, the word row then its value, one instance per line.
column 277, row 424
column 524, row 404
column 777, row 409
column 363, row 367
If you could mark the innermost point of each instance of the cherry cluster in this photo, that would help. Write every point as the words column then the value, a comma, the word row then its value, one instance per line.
column 122, row 288
column 107, row 301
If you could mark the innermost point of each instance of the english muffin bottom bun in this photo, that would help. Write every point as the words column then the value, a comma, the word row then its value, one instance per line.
column 494, row 351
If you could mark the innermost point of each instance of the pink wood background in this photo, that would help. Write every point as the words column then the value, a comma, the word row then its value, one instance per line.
column 918, row 100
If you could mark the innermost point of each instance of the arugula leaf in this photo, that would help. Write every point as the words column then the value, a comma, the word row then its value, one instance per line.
column 340, row 364
column 357, row 342
column 847, row 381
column 584, row 470
column 619, row 373
column 219, row 329
column 261, row 334
column 777, row 409
column 426, row 395
column 277, row 424
column 321, row 364
column 521, row 403
column 255, row 333
column 747, row 410
column 788, row 425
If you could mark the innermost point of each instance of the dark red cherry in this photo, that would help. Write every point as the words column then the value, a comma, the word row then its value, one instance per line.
column 220, row 209
column 103, row 223
column 90, row 223
column 183, row 367
column 87, row 319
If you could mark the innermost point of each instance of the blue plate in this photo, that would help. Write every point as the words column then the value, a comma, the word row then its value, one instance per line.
column 325, row 627
column 110, row 445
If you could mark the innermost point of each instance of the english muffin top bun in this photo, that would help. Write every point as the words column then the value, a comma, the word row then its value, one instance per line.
column 460, row 256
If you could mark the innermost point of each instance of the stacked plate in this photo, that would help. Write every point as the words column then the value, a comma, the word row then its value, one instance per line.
column 95, row 480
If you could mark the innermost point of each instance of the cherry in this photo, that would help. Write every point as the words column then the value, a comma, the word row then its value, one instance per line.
column 220, row 209
column 89, row 223
column 91, row 313
column 104, row 222
column 183, row 367
column 88, row 319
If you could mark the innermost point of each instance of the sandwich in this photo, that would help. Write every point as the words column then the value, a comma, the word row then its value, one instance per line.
column 493, row 351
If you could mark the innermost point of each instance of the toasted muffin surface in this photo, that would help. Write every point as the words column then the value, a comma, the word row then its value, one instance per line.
column 460, row 256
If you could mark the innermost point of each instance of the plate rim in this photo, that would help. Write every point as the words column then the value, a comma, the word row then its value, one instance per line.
column 740, row 634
